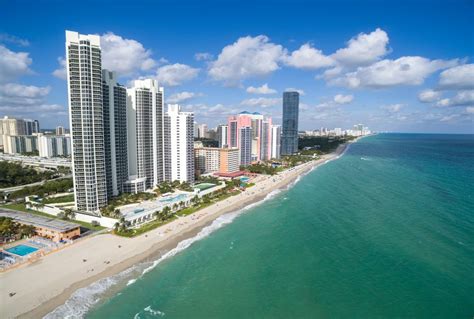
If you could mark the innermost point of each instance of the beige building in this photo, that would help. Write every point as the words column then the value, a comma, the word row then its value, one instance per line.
column 51, row 228
column 13, row 144
column 213, row 159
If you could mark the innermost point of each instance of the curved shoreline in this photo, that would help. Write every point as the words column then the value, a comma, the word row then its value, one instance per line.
column 41, row 296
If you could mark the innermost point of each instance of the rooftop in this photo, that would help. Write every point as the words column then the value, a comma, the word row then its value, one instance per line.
column 38, row 221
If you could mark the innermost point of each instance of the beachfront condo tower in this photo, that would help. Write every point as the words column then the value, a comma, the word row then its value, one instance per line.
column 245, row 145
column 145, row 132
column 115, row 133
column 276, row 138
column 179, row 145
column 84, row 76
column 289, row 136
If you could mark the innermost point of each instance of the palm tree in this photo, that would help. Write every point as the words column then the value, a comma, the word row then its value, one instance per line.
column 117, row 213
column 181, row 204
column 116, row 227
column 166, row 212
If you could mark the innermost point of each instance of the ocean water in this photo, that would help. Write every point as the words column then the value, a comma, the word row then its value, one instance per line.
column 386, row 231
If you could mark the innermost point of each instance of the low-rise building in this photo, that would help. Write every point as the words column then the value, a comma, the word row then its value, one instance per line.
column 51, row 228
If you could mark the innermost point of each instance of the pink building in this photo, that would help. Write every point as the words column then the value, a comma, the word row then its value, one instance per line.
column 260, row 137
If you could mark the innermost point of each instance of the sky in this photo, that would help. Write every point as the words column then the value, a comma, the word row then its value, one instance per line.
column 404, row 66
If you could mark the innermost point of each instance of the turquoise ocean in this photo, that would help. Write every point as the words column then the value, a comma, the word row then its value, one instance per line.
column 385, row 231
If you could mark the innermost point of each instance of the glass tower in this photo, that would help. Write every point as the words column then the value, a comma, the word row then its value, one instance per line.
column 289, row 136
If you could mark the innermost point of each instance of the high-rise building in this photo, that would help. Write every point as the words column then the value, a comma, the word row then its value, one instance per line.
column 222, row 131
column 255, row 122
column 245, row 141
column 276, row 138
column 31, row 126
column 19, row 144
column 12, row 126
column 266, row 140
column 289, row 134
column 206, row 160
column 228, row 160
column 115, row 133
column 84, row 75
column 60, row 130
column 54, row 146
column 203, row 131
column 145, row 120
column 179, row 155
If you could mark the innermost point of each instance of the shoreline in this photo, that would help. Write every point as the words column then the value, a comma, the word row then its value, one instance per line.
column 107, row 255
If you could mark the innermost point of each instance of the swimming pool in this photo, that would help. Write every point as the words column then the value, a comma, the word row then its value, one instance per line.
column 172, row 199
column 21, row 250
column 244, row 179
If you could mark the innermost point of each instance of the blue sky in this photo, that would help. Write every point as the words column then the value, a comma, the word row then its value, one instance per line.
column 398, row 66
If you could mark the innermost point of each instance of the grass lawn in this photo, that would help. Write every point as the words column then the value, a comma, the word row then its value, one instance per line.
column 22, row 208
column 57, row 200
column 183, row 212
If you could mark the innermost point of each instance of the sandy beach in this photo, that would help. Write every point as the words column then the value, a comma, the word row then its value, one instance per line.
column 42, row 286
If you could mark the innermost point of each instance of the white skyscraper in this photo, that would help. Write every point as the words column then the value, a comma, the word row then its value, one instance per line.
column 84, row 75
column 276, row 138
column 115, row 133
column 179, row 155
column 145, row 131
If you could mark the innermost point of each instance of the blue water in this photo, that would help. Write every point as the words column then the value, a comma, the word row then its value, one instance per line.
column 21, row 250
column 386, row 231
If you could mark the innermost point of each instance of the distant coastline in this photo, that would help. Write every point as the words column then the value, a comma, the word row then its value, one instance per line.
column 50, row 282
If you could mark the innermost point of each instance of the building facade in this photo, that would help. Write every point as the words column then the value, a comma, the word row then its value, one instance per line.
column 20, row 144
column 289, row 133
column 276, row 139
column 245, row 142
column 54, row 146
column 206, row 160
column 115, row 133
column 31, row 126
column 222, row 131
column 179, row 155
column 229, row 160
column 84, row 76
column 145, row 128
column 60, row 130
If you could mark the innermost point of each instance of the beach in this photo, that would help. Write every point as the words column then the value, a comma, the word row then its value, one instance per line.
column 42, row 286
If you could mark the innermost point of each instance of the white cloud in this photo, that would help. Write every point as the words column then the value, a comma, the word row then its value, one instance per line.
column 247, row 57
column 301, row 92
column 203, row 56
column 409, row 70
column 182, row 97
column 175, row 74
column 363, row 49
column 393, row 108
column 462, row 98
column 458, row 77
column 261, row 102
column 4, row 37
column 428, row 96
column 307, row 57
column 61, row 71
column 13, row 94
column 13, row 64
column 343, row 99
column 264, row 89
column 124, row 56
column 470, row 109
column 28, row 101
column 449, row 118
